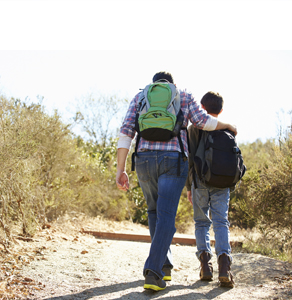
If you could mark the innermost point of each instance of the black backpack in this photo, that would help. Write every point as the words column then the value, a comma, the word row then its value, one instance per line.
column 218, row 161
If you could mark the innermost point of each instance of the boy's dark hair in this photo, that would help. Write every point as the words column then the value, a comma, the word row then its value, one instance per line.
column 163, row 76
column 213, row 102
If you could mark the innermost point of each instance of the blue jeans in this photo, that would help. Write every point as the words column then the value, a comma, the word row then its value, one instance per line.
column 162, row 187
column 214, row 200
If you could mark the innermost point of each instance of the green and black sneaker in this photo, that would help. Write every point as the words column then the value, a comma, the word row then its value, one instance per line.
column 153, row 282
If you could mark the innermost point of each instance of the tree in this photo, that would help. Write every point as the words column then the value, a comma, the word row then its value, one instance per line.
column 99, row 117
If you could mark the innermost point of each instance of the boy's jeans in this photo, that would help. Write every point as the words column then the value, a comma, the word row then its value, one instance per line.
column 157, row 174
column 214, row 200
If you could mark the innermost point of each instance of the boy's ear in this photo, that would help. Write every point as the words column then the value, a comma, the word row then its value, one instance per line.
column 203, row 107
column 220, row 111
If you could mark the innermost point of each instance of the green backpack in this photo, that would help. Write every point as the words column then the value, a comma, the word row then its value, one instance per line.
column 159, row 116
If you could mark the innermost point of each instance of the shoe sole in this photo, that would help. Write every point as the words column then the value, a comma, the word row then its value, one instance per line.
column 226, row 282
column 153, row 287
column 207, row 278
column 167, row 278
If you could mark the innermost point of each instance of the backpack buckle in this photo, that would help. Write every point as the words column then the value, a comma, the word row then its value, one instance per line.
column 236, row 150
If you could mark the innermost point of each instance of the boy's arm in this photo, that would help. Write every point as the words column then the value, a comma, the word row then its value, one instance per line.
column 190, row 197
column 189, row 182
column 193, row 134
column 189, row 178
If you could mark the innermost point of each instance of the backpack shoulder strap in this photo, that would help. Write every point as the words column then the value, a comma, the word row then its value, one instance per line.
column 135, row 153
column 201, row 143
column 200, row 135
column 182, row 153
column 143, row 103
column 141, row 107
column 174, row 104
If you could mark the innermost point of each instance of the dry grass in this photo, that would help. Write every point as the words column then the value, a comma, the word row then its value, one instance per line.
column 81, row 221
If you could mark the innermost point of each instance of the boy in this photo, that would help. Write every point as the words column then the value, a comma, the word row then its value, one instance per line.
column 206, row 199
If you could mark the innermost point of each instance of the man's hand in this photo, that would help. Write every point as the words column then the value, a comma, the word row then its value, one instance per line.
column 221, row 125
column 122, row 180
column 189, row 194
column 233, row 129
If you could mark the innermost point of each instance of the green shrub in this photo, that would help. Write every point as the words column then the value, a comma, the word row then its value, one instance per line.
column 264, row 200
column 45, row 171
column 184, row 216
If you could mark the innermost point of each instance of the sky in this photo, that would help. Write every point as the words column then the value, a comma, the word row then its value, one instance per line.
column 65, row 50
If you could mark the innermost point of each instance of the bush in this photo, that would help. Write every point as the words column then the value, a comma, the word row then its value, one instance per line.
column 264, row 199
column 45, row 172
column 35, row 149
column 256, row 157
column 184, row 217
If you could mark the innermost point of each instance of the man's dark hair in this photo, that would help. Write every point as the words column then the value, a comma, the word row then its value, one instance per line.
column 163, row 76
column 213, row 102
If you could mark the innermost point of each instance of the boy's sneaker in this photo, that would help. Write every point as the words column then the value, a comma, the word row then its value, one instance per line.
column 153, row 282
column 167, row 271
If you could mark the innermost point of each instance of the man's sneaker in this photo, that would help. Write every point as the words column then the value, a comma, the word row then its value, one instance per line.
column 225, row 275
column 153, row 282
column 167, row 271
column 206, row 269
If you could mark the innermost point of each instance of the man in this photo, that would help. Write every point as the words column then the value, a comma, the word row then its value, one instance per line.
column 156, row 165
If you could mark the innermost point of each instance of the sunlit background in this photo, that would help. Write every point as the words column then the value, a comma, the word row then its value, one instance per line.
column 65, row 50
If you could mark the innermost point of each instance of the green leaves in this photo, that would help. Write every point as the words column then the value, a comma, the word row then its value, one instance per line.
column 264, row 198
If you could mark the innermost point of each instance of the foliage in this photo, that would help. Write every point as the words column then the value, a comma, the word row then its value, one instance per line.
column 256, row 157
column 98, row 116
column 25, row 162
column 272, row 196
column 98, row 194
column 46, row 171
column 264, row 199
column 184, row 216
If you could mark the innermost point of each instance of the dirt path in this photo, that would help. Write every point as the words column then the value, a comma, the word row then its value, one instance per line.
column 69, row 265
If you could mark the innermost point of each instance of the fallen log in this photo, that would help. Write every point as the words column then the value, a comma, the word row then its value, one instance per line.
column 188, row 241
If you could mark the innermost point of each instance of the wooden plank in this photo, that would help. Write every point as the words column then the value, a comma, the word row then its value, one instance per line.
column 146, row 238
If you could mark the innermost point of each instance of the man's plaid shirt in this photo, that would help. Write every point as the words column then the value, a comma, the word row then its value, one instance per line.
column 191, row 111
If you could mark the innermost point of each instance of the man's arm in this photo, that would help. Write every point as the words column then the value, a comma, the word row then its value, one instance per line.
column 127, row 133
column 214, row 124
column 221, row 125
column 205, row 121
column 122, row 179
